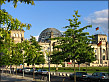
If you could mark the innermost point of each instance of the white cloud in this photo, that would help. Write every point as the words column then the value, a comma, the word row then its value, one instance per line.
column 33, row 36
column 99, row 19
column 36, row 37
column 102, row 13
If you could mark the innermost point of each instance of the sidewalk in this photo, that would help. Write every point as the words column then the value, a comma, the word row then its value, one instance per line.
column 8, row 77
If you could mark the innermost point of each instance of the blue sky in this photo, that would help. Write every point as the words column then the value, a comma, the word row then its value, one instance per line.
column 53, row 14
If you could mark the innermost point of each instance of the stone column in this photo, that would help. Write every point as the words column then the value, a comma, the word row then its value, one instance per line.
column 98, row 54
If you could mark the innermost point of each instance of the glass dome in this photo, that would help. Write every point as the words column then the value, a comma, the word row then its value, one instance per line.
column 46, row 34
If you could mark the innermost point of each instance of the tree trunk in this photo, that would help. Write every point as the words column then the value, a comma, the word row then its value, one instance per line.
column 56, row 68
column 6, row 69
column 86, row 67
column 2, row 68
column 74, row 72
column 16, row 70
column 33, row 72
column 79, row 66
column 10, row 68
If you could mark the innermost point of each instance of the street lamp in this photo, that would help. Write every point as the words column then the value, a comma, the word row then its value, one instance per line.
column 49, row 50
column 10, row 66
column 49, row 61
column 23, row 63
column 51, row 34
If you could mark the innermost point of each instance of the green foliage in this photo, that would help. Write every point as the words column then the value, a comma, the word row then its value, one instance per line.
column 16, row 1
column 56, row 57
column 17, row 55
column 8, row 55
column 32, row 52
column 5, row 50
column 10, row 23
column 74, row 44
column 35, row 43
column 41, row 59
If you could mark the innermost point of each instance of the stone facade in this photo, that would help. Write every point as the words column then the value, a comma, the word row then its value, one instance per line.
column 101, row 54
column 17, row 35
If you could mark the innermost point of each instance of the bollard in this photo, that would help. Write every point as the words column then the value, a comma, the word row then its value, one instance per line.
column 63, row 74
column 54, row 73
column 60, row 74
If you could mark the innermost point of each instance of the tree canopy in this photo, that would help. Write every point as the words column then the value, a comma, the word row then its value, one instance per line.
column 75, row 43
column 8, row 50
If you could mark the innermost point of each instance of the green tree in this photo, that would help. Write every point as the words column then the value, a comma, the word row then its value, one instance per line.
column 57, row 58
column 75, row 42
column 32, row 52
column 33, row 42
column 87, row 56
column 16, row 1
column 5, row 50
column 17, row 56
column 8, row 23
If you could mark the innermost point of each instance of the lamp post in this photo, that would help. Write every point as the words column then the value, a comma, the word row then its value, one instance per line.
column 49, row 60
column 10, row 66
column 23, row 63
column 51, row 35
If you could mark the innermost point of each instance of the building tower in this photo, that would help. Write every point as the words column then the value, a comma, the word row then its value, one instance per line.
column 100, row 51
column 17, row 35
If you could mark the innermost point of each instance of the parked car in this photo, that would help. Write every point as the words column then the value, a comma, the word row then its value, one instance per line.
column 19, row 70
column 27, row 70
column 79, row 76
column 42, row 71
column 31, row 71
column 99, row 76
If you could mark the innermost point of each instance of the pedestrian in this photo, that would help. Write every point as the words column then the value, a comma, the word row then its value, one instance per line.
column 13, row 70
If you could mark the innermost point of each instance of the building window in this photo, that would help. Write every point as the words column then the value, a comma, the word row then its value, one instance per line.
column 96, row 56
column 103, row 50
column 14, row 35
column 100, row 38
column 20, row 35
column 95, row 51
column 105, row 62
column 104, row 38
column 103, row 57
column 17, row 35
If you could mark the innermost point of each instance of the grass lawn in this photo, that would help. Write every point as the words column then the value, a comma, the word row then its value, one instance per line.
column 82, row 69
column 71, row 71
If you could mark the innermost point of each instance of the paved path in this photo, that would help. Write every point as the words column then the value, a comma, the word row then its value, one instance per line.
column 7, row 77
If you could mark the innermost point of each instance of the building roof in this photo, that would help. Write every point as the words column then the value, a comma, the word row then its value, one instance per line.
column 100, row 34
column 18, row 30
column 46, row 34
